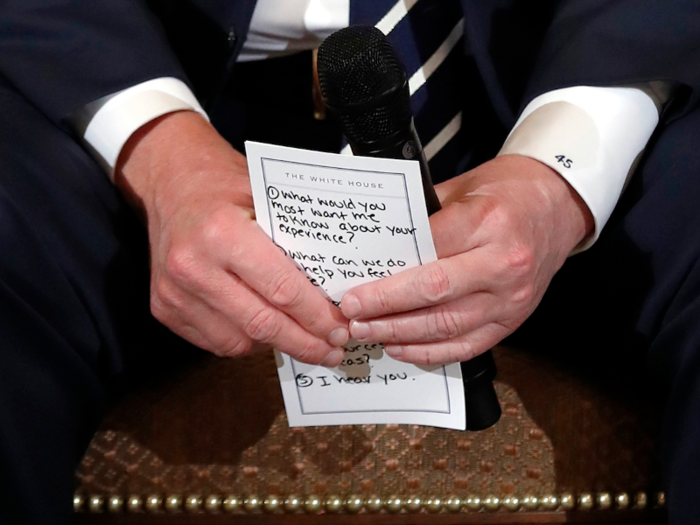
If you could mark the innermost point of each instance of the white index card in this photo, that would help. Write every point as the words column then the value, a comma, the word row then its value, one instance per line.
column 346, row 221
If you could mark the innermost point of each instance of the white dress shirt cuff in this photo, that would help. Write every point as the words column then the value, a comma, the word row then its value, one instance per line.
column 591, row 136
column 126, row 111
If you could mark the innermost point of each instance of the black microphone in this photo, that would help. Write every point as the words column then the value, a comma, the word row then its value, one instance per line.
column 362, row 80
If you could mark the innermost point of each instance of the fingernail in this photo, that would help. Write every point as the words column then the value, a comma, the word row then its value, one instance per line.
column 393, row 351
column 339, row 337
column 350, row 306
column 333, row 359
column 360, row 331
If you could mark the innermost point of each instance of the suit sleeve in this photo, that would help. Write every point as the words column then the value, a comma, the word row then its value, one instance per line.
column 621, row 43
column 63, row 54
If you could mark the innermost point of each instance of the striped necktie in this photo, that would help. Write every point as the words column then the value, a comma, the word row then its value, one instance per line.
column 428, row 37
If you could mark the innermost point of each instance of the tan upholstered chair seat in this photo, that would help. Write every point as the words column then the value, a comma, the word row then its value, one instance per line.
column 212, row 443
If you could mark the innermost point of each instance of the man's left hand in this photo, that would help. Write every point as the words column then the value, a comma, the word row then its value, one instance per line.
column 505, row 229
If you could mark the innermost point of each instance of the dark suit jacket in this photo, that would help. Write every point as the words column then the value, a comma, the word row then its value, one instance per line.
column 63, row 54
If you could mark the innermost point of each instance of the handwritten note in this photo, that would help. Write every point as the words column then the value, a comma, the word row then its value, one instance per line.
column 346, row 221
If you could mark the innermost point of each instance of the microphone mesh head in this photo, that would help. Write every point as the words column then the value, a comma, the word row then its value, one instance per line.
column 358, row 67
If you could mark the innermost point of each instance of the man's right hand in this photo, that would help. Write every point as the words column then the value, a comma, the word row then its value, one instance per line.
column 217, row 279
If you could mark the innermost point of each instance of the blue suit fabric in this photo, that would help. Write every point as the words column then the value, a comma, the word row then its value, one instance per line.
column 74, row 280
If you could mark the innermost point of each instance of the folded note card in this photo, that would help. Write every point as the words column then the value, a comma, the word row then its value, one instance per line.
column 346, row 221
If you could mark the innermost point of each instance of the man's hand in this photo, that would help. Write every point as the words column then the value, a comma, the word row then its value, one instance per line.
column 216, row 279
column 505, row 229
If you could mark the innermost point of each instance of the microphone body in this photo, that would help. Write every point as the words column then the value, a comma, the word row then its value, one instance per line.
column 363, row 81
column 403, row 144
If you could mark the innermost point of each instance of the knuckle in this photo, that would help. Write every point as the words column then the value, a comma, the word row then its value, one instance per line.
column 160, row 288
column 159, row 311
column 434, row 284
column 508, row 326
column 307, row 353
column 263, row 326
column 485, row 210
column 285, row 290
column 166, row 294
column 466, row 350
column 524, row 295
column 181, row 265
column 394, row 332
column 384, row 300
column 163, row 300
column 520, row 260
column 387, row 332
column 217, row 226
column 443, row 324
column 425, row 357
column 237, row 347
column 502, row 217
